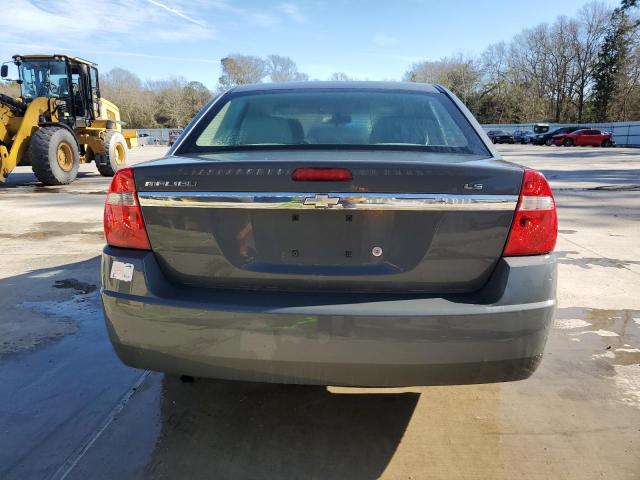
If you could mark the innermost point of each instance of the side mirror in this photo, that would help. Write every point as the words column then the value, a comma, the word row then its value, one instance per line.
column 4, row 71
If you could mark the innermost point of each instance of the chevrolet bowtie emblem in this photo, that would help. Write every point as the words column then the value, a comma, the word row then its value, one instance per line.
column 321, row 201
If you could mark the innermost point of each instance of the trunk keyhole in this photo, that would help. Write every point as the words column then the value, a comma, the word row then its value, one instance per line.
column 349, row 218
column 295, row 253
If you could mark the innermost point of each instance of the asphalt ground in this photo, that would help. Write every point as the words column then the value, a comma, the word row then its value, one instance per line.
column 70, row 410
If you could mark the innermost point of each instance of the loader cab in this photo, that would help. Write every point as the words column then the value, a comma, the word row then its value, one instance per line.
column 72, row 82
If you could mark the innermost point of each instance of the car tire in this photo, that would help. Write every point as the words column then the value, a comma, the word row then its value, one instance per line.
column 567, row 142
column 494, row 140
column 54, row 155
column 548, row 142
column 606, row 143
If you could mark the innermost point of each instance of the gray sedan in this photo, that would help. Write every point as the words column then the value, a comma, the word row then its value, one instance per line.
column 351, row 233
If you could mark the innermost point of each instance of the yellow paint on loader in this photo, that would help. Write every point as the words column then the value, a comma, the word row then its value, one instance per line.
column 17, row 131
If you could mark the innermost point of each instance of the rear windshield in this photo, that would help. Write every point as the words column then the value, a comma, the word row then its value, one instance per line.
column 337, row 119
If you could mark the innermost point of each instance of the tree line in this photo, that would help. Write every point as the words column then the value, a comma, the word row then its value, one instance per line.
column 580, row 69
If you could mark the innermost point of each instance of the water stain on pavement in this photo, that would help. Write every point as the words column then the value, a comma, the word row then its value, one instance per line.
column 589, row 262
column 624, row 323
column 82, row 287
column 612, row 339
column 46, row 305
column 616, row 187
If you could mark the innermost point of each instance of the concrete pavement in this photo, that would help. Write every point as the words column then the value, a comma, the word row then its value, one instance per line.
column 70, row 410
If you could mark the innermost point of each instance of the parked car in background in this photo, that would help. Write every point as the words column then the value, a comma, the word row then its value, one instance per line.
column 500, row 136
column 523, row 136
column 345, row 233
column 173, row 136
column 583, row 138
column 540, row 128
column 547, row 138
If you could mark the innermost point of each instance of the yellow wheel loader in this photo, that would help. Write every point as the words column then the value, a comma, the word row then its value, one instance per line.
column 59, row 121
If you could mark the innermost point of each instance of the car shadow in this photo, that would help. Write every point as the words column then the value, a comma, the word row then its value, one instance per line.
column 222, row 429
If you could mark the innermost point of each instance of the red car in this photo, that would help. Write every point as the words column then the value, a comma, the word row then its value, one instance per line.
column 584, row 137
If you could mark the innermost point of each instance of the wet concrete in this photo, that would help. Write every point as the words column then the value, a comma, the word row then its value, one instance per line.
column 70, row 409
column 56, row 392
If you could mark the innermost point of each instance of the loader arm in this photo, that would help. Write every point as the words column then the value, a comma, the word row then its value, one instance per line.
column 16, row 131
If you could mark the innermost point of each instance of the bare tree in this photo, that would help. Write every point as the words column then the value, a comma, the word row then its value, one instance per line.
column 167, row 103
column 125, row 89
column 593, row 19
column 170, row 108
column 562, row 58
column 241, row 69
column 339, row 77
column 461, row 75
column 283, row 69
column 195, row 95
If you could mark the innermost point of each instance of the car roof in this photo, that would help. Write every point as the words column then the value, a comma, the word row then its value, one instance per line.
column 355, row 85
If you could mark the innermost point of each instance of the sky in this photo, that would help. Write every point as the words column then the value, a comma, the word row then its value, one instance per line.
column 366, row 39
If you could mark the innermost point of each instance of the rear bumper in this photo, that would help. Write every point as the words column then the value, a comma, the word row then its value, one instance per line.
column 496, row 334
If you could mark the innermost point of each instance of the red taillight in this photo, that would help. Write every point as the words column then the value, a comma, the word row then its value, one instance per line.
column 321, row 175
column 123, row 224
column 535, row 225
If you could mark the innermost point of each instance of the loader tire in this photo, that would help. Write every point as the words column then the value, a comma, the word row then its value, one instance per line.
column 114, row 156
column 54, row 155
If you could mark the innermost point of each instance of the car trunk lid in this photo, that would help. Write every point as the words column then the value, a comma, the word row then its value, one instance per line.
column 421, row 223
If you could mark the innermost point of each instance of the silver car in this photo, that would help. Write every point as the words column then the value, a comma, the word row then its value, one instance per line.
column 351, row 233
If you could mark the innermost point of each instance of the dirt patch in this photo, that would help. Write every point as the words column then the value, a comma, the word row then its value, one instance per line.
column 46, row 230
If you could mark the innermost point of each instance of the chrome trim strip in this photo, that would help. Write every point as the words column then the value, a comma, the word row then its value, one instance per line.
column 327, row 201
